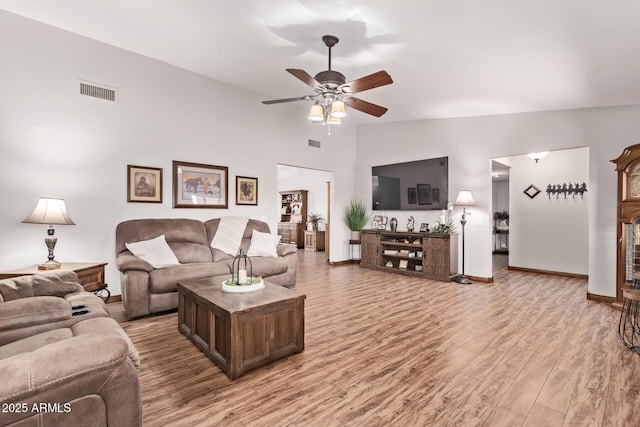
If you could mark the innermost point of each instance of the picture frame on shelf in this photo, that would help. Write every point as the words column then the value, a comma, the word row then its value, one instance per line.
column 144, row 184
column 246, row 191
column 424, row 227
column 198, row 185
column 424, row 194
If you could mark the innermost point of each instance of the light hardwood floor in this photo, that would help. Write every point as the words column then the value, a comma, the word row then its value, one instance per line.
column 382, row 349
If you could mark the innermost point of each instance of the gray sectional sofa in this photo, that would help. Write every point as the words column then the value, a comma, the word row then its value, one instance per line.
column 147, row 290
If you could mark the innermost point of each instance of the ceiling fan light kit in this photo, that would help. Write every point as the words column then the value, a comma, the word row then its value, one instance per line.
column 333, row 92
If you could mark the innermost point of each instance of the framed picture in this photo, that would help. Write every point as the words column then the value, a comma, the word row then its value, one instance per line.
column 246, row 191
column 374, row 224
column 196, row 185
column 412, row 195
column 424, row 227
column 435, row 195
column 144, row 184
column 424, row 194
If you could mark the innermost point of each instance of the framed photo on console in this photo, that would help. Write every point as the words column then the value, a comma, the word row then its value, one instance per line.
column 144, row 184
column 246, row 191
column 196, row 185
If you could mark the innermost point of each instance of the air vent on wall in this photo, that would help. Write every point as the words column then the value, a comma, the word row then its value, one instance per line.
column 102, row 92
column 313, row 143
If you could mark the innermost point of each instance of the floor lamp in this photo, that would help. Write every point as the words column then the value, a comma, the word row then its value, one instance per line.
column 464, row 199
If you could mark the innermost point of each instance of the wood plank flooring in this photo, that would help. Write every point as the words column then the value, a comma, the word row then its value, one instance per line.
column 381, row 349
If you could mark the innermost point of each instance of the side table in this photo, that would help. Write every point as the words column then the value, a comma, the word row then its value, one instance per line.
column 352, row 244
column 90, row 275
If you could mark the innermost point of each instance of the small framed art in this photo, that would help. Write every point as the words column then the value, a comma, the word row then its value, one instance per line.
column 196, row 185
column 246, row 191
column 144, row 184
column 424, row 227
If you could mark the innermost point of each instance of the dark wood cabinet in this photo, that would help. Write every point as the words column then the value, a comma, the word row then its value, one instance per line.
column 429, row 255
column 293, row 216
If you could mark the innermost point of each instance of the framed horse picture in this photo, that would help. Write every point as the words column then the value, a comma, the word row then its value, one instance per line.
column 196, row 185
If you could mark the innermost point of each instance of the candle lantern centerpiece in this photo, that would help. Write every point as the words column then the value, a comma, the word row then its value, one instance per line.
column 242, row 279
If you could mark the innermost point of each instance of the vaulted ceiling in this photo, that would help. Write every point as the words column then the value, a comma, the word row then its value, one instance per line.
column 453, row 58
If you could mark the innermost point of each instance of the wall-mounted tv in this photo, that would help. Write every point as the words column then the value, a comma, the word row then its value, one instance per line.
column 411, row 186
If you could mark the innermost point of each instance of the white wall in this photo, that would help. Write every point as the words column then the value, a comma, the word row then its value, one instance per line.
column 549, row 232
column 470, row 143
column 55, row 143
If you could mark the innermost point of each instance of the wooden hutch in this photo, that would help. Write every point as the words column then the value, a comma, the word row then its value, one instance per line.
column 628, row 220
column 293, row 216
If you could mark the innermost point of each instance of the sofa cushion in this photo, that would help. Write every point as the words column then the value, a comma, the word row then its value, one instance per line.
column 166, row 279
column 263, row 244
column 26, row 312
column 155, row 251
column 267, row 266
column 16, row 288
column 56, row 284
column 34, row 342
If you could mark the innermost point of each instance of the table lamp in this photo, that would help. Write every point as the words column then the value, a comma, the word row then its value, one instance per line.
column 49, row 211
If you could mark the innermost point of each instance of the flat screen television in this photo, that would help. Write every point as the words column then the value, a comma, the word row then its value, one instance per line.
column 411, row 186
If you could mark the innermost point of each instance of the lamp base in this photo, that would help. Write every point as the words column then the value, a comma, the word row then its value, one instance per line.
column 462, row 280
column 49, row 265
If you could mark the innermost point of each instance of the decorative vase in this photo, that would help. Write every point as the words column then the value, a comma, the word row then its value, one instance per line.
column 394, row 224
column 355, row 235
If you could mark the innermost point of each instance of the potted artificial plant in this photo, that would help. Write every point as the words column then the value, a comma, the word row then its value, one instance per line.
column 314, row 220
column 356, row 217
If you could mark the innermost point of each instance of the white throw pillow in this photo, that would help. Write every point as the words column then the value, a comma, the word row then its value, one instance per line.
column 263, row 244
column 155, row 251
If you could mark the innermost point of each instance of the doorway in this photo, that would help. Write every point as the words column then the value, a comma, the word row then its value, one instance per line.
column 318, row 184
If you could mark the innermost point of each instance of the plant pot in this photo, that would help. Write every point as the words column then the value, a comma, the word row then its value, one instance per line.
column 355, row 235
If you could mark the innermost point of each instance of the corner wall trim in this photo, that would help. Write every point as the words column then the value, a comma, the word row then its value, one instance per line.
column 554, row 273
column 600, row 298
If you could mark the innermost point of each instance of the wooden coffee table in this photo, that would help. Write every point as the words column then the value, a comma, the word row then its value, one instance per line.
column 239, row 332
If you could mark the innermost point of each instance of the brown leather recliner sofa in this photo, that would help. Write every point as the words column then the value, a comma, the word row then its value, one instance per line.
column 63, row 360
column 147, row 290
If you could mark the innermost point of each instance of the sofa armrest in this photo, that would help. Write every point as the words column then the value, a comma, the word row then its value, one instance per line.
column 284, row 249
column 129, row 262
column 26, row 312
column 64, row 372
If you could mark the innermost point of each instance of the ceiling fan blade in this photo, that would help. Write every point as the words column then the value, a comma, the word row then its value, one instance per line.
column 365, row 106
column 298, row 98
column 306, row 78
column 381, row 78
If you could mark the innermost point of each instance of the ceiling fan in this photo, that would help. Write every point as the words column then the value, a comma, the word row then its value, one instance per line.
column 333, row 91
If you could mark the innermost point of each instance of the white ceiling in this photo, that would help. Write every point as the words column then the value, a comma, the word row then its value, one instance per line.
column 448, row 58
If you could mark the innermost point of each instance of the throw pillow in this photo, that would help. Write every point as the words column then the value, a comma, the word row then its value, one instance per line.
column 155, row 251
column 263, row 244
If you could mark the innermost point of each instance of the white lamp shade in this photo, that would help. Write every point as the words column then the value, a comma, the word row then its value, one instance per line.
column 334, row 120
column 49, row 211
column 537, row 156
column 316, row 114
column 337, row 109
column 465, row 199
